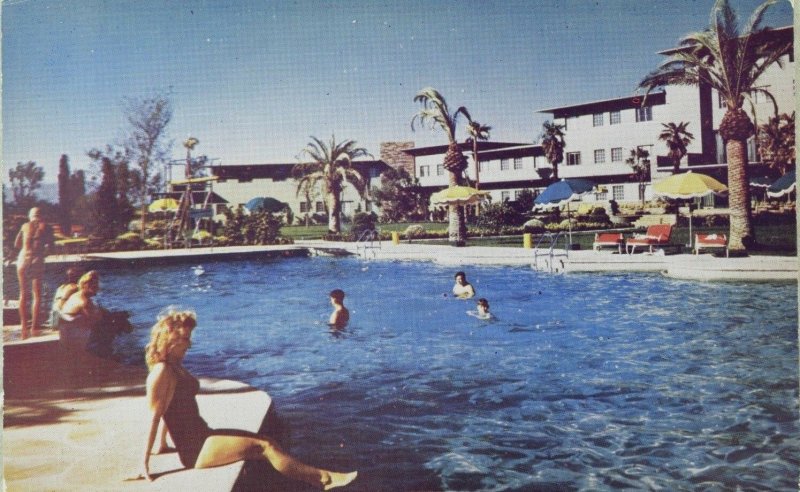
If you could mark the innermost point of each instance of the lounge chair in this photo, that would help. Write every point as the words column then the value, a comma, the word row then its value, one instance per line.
column 709, row 241
column 613, row 239
column 656, row 235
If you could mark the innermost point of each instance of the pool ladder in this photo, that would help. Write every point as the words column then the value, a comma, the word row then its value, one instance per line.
column 367, row 243
column 550, row 258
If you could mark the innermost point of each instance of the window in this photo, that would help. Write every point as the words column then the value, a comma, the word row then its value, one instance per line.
column 320, row 207
column 573, row 158
column 614, row 118
column 599, row 156
column 597, row 119
column 760, row 97
column 424, row 171
column 538, row 161
column 484, row 165
column 517, row 194
column 618, row 191
column 644, row 114
column 440, row 169
column 347, row 207
column 720, row 101
column 504, row 164
column 505, row 196
column 616, row 154
column 518, row 163
column 304, row 206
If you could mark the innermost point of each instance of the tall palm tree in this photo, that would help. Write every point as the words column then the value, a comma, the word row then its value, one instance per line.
column 677, row 139
column 476, row 132
column 331, row 167
column 436, row 113
column 638, row 160
column 553, row 144
column 730, row 60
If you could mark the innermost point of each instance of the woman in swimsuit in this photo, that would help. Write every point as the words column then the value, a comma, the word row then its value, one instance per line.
column 33, row 239
column 171, row 392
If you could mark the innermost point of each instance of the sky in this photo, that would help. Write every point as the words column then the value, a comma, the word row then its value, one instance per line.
column 253, row 80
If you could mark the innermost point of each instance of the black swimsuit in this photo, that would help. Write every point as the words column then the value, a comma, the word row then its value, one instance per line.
column 186, row 427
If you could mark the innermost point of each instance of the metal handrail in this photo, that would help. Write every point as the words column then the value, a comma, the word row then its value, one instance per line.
column 369, row 236
column 550, row 254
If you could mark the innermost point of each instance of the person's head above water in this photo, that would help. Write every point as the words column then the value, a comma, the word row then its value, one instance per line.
column 461, row 278
column 483, row 305
column 337, row 296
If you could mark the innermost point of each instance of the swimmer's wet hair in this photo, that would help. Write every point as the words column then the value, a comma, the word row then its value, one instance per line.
column 483, row 302
column 337, row 295
column 460, row 273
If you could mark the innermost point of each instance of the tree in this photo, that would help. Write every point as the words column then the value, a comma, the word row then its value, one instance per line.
column 776, row 143
column 400, row 196
column 111, row 211
column 641, row 168
column 677, row 139
column 146, row 144
column 476, row 132
column 729, row 60
column 25, row 180
column 552, row 138
column 66, row 198
column 436, row 114
column 331, row 167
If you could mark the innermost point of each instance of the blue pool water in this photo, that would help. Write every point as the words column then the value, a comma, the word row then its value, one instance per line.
column 583, row 382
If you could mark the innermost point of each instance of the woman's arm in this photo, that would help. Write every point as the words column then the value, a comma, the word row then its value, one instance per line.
column 163, row 447
column 160, row 388
column 20, row 236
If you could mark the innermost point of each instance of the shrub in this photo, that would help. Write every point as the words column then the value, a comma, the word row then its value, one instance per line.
column 414, row 231
column 498, row 215
column 533, row 226
column 363, row 222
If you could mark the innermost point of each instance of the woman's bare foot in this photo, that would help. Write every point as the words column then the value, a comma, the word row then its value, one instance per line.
column 25, row 333
column 336, row 479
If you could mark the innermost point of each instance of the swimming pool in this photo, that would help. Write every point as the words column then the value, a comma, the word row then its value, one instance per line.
column 584, row 381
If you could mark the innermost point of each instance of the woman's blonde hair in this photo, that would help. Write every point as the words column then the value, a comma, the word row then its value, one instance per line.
column 87, row 277
column 164, row 332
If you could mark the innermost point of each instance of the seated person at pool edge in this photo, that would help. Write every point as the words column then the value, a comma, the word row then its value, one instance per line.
column 340, row 315
column 63, row 293
column 462, row 288
column 171, row 397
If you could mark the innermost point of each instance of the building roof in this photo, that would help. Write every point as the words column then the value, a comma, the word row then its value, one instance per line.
column 197, row 196
column 278, row 171
column 615, row 104
column 464, row 146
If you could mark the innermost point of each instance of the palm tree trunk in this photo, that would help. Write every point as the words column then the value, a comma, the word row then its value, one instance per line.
column 741, row 227
column 457, row 227
column 334, row 219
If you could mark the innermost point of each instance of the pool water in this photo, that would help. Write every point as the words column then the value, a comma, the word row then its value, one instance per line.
column 582, row 382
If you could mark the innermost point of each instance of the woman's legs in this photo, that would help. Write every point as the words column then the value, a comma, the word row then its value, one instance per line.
column 36, row 305
column 224, row 447
column 24, row 294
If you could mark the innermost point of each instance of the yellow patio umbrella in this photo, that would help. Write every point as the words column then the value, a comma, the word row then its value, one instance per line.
column 458, row 195
column 163, row 205
column 686, row 186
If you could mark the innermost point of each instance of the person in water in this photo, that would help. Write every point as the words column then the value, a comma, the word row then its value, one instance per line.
column 63, row 293
column 33, row 240
column 462, row 288
column 481, row 310
column 171, row 398
column 340, row 315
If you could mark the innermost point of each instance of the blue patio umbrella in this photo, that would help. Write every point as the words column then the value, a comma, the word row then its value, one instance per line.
column 761, row 182
column 265, row 204
column 783, row 185
column 562, row 192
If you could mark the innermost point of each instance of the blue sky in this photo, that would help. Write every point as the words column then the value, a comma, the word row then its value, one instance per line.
column 252, row 80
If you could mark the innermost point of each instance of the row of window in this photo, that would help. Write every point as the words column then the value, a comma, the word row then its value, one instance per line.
column 574, row 158
column 644, row 113
column 505, row 165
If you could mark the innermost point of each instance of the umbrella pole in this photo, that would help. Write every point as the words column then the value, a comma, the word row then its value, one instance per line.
column 569, row 226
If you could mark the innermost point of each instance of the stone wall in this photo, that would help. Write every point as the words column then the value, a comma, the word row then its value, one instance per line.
column 393, row 155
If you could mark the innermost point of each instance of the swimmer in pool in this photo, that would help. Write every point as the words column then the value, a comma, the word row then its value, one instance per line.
column 340, row 315
column 463, row 289
column 482, row 310
column 171, row 399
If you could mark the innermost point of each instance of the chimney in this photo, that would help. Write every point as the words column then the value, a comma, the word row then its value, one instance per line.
column 393, row 155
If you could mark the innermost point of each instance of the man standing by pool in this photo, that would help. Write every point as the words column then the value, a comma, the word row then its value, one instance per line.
column 32, row 241
column 463, row 289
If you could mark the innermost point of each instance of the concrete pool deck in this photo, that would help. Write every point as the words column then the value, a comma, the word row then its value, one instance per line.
column 80, row 424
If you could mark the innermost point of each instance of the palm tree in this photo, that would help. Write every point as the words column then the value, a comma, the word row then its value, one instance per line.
column 676, row 138
column 436, row 113
column 776, row 143
column 729, row 60
column 638, row 160
column 477, row 131
column 553, row 144
column 331, row 166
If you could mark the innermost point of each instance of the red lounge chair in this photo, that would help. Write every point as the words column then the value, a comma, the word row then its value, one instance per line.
column 708, row 241
column 656, row 235
column 613, row 239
